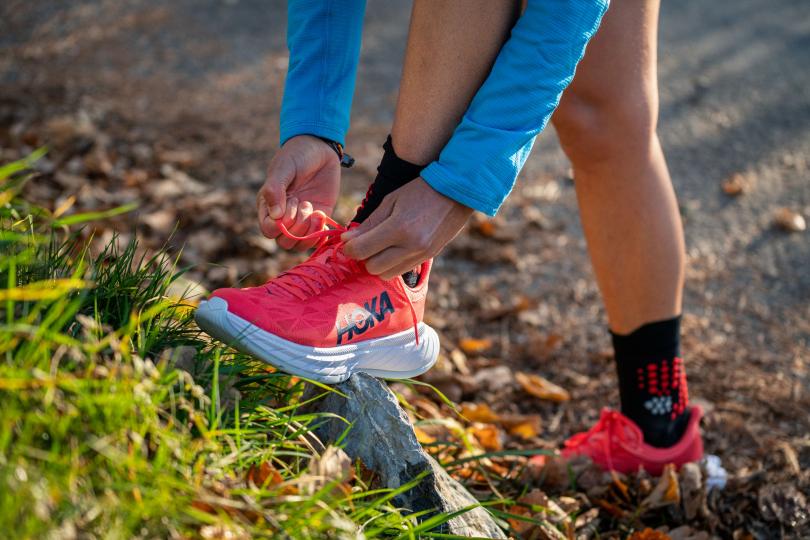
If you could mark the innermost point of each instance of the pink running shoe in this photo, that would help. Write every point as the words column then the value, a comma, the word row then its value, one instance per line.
column 328, row 318
column 616, row 443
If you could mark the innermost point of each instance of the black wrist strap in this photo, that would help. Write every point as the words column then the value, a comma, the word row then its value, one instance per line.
column 346, row 160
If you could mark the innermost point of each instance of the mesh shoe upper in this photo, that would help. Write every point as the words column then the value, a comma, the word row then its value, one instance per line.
column 616, row 443
column 330, row 300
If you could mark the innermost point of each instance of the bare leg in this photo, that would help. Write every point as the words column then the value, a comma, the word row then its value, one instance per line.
column 607, row 126
column 451, row 48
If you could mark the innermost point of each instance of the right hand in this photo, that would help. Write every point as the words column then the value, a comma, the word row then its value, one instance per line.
column 302, row 186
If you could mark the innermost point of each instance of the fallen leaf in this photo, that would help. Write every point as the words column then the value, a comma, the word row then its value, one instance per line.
column 486, row 228
column 788, row 220
column 428, row 433
column 734, row 185
column 459, row 360
column 63, row 207
column 586, row 518
column 479, row 412
column 263, row 475
column 525, row 426
column 426, row 407
column 499, row 469
column 619, row 484
column 518, row 525
column 333, row 464
column 553, row 342
column 542, row 388
column 423, row 437
column 535, row 497
column 203, row 506
column 532, row 505
column 649, row 534
column 488, row 435
column 475, row 346
column 667, row 492
column 613, row 509
column 527, row 429
column 791, row 458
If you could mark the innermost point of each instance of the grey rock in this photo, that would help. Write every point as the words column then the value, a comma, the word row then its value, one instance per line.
column 383, row 438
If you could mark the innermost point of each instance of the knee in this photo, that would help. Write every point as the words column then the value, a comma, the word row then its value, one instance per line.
column 594, row 129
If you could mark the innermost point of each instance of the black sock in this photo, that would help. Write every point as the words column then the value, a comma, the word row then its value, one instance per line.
column 393, row 173
column 652, row 381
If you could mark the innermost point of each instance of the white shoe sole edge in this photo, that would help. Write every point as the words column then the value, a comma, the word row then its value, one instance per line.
column 391, row 357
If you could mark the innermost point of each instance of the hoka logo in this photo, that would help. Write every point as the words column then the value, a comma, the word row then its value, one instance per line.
column 363, row 318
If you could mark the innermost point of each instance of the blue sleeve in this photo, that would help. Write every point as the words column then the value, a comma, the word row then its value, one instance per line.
column 323, row 37
column 480, row 163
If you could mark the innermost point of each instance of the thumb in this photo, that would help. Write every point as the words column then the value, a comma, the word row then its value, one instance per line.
column 379, row 215
column 274, row 191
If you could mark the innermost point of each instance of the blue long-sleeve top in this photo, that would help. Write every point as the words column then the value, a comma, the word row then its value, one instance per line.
column 480, row 163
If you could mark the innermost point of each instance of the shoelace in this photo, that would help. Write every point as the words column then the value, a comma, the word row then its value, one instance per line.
column 613, row 424
column 315, row 275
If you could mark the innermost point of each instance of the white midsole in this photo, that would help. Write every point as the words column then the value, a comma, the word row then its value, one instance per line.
column 397, row 356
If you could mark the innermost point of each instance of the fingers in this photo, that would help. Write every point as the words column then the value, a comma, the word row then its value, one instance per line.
column 317, row 220
column 297, row 222
column 274, row 190
column 267, row 225
column 300, row 219
column 373, row 235
column 393, row 262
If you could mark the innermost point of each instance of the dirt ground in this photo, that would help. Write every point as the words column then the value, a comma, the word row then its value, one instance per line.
column 175, row 106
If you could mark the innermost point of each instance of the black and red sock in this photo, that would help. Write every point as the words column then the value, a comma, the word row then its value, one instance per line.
column 393, row 173
column 652, row 381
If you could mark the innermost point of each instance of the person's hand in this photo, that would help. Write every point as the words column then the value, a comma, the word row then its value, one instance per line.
column 302, row 186
column 411, row 225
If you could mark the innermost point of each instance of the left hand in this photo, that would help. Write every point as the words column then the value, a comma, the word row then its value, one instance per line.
column 411, row 225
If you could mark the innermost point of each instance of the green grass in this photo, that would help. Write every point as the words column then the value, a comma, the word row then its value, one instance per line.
column 118, row 419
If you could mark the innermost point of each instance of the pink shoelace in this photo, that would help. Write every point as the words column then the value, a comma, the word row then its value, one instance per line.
column 613, row 425
column 316, row 274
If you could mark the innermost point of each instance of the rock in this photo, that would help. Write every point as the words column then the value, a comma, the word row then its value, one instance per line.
column 383, row 438
column 790, row 221
column 734, row 185
column 693, row 496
